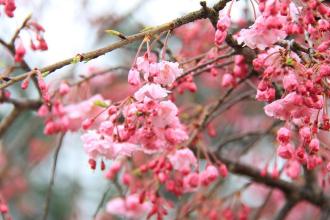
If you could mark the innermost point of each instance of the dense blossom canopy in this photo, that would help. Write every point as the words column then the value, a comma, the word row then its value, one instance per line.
column 178, row 123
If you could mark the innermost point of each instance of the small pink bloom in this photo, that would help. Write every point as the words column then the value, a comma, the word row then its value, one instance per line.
column 228, row 80
column 267, row 95
column 292, row 169
column 305, row 134
column 64, row 89
column 129, row 207
column 220, row 37
column 301, row 155
column 19, row 52
column 212, row 173
column 134, row 77
column 285, row 151
column 168, row 72
column 260, row 35
column 314, row 145
column 223, row 170
column 313, row 161
column 143, row 64
column 87, row 123
column 283, row 135
column 183, row 160
column 114, row 169
column 222, row 28
column 152, row 91
column 290, row 82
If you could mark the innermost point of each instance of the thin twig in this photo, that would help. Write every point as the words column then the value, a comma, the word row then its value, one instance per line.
column 104, row 196
column 52, row 178
column 21, row 27
column 206, row 64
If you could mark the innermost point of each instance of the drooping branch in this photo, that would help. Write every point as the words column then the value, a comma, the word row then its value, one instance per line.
column 52, row 178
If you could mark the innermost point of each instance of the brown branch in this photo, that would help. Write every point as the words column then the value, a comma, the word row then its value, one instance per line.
column 24, row 104
column 200, row 14
column 221, row 57
column 96, row 74
column 209, row 111
column 8, row 120
column 52, row 178
column 218, row 66
column 211, row 13
column 285, row 209
column 19, row 107
column 258, row 213
column 21, row 27
column 325, row 212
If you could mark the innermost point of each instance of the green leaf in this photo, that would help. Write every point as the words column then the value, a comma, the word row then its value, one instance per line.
column 116, row 33
column 101, row 103
column 289, row 61
column 147, row 28
column 44, row 74
column 76, row 59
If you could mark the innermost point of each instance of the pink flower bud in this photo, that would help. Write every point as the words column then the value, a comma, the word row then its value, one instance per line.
column 64, row 89
column 92, row 164
column 223, row 170
column 25, row 83
column 305, row 134
column 285, row 151
column 228, row 80
column 134, row 77
column 283, row 135
column 87, row 123
column 314, row 145
column 19, row 52
column 43, row 111
column 193, row 180
column 3, row 208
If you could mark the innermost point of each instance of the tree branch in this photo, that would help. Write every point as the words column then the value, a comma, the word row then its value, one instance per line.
column 200, row 14
column 285, row 209
column 8, row 120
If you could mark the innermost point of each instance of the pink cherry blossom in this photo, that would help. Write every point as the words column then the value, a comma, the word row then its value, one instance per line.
column 288, row 107
column 168, row 72
column 260, row 36
column 283, row 135
column 290, row 82
column 134, row 77
column 183, row 160
column 96, row 145
column 222, row 27
column 151, row 91
column 128, row 207
column 285, row 151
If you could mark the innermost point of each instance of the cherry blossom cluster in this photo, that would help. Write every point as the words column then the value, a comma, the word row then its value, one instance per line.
column 296, row 89
column 42, row 86
column 37, row 40
column 62, row 118
column 147, row 124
